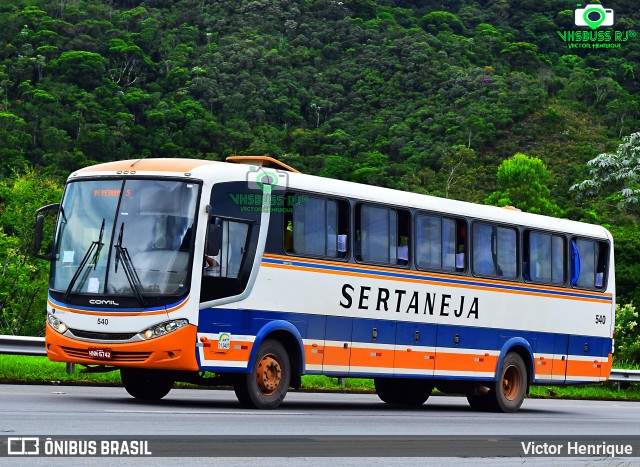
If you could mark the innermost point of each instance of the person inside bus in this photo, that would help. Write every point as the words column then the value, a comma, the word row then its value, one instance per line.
column 211, row 266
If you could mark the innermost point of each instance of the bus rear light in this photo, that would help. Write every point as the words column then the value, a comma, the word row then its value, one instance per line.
column 163, row 329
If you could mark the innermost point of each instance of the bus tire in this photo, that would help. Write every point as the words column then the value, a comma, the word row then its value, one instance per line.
column 146, row 384
column 266, row 385
column 407, row 392
column 511, row 386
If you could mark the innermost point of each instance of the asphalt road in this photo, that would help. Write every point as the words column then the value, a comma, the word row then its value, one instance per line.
column 109, row 411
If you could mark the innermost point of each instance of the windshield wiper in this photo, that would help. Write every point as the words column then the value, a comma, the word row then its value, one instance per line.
column 122, row 254
column 95, row 247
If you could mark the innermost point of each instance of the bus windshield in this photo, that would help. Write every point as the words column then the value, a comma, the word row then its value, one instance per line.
column 125, row 238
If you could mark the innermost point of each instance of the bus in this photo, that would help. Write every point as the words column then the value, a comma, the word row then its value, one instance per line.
column 247, row 273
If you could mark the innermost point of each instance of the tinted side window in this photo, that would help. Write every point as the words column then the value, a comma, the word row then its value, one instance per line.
column 317, row 227
column 382, row 235
column 494, row 250
column 589, row 259
column 544, row 260
column 439, row 243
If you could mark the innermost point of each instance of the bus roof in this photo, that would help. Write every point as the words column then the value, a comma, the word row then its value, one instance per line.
column 177, row 166
column 443, row 205
column 238, row 171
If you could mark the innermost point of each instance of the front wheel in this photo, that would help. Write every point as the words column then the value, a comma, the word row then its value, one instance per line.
column 510, row 388
column 146, row 384
column 266, row 385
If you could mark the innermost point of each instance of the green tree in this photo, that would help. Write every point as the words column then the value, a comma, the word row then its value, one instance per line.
column 627, row 351
column 615, row 175
column 23, row 279
column 523, row 182
column 85, row 69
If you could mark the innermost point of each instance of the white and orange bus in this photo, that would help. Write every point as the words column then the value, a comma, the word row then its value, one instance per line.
column 248, row 271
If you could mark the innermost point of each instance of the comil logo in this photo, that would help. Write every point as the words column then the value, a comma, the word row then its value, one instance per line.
column 594, row 16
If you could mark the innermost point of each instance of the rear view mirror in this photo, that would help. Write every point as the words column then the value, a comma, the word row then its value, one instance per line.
column 41, row 215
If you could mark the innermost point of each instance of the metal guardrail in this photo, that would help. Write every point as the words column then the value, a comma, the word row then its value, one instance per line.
column 625, row 376
column 22, row 345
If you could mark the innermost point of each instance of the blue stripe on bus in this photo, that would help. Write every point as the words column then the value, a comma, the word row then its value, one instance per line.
column 390, row 332
column 425, row 277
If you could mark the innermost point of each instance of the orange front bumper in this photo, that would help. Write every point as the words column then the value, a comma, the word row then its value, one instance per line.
column 175, row 351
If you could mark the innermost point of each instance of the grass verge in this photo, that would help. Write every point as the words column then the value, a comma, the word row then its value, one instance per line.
column 39, row 370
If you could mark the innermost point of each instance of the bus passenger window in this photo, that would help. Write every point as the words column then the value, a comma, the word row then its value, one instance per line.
column 440, row 243
column 494, row 251
column 317, row 227
column 382, row 235
column 544, row 258
column 588, row 263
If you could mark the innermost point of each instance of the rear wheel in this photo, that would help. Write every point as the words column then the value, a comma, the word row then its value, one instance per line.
column 146, row 384
column 510, row 388
column 265, row 387
column 408, row 392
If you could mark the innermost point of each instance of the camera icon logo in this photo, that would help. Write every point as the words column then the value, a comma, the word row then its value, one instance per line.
column 594, row 16
column 267, row 180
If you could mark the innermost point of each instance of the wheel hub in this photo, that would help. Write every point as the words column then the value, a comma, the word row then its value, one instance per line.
column 511, row 383
column 269, row 375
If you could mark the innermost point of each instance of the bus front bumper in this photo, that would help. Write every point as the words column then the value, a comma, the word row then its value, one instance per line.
column 174, row 351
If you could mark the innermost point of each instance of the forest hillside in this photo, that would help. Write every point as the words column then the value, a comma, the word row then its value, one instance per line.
column 430, row 97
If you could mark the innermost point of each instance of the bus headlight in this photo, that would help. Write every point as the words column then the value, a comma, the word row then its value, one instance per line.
column 57, row 324
column 163, row 329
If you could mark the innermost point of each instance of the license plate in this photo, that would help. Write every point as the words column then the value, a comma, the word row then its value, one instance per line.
column 104, row 354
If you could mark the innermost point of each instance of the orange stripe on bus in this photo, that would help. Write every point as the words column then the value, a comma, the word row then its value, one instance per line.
column 372, row 357
column 606, row 367
column 591, row 368
column 466, row 362
column 336, row 356
column 414, row 360
column 547, row 367
column 238, row 351
column 313, row 354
